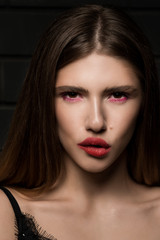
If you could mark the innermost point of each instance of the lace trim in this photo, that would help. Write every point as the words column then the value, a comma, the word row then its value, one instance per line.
column 30, row 230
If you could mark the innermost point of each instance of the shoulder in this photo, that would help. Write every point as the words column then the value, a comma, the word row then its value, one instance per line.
column 146, row 199
column 7, row 218
column 152, row 204
column 155, row 192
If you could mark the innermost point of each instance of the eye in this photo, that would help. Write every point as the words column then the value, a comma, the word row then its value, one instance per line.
column 71, row 96
column 118, row 94
column 118, row 97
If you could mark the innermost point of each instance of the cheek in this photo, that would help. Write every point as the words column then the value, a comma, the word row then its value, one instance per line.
column 68, row 120
column 122, row 123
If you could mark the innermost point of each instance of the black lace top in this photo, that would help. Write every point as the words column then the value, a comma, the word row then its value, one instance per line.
column 26, row 227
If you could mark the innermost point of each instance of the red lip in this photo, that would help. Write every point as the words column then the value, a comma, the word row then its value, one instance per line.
column 96, row 147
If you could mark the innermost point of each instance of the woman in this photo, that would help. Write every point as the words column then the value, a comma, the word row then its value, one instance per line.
column 82, row 156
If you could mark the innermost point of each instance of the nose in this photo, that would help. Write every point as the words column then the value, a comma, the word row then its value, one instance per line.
column 95, row 120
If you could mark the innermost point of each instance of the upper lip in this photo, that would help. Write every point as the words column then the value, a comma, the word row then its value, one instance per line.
column 92, row 141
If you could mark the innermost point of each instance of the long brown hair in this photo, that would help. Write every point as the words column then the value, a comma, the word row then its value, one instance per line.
column 31, row 157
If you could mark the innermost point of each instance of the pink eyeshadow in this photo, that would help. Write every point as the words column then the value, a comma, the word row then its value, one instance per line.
column 118, row 99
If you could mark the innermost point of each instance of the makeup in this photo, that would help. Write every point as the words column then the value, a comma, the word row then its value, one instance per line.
column 118, row 100
column 95, row 147
column 71, row 96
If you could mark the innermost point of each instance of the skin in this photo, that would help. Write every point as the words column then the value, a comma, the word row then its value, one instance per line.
column 110, row 115
column 95, row 199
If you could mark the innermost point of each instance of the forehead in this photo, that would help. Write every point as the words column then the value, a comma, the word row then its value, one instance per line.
column 97, row 71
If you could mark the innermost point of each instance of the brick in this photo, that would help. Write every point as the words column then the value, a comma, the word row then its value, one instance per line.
column 3, row 2
column 69, row 3
column 1, row 82
column 143, row 3
column 5, row 119
column 14, row 74
column 60, row 3
column 158, row 66
column 149, row 22
column 21, row 30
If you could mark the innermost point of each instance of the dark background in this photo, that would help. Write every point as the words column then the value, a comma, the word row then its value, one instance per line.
column 22, row 23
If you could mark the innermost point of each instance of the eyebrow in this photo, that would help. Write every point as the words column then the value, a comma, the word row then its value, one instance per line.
column 124, row 88
column 71, row 89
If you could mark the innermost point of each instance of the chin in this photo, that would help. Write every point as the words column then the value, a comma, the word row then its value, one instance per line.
column 96, row 168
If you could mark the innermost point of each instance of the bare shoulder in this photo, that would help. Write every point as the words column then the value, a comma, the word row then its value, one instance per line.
column 7, row 219
column 155, row 193
column 153, row 204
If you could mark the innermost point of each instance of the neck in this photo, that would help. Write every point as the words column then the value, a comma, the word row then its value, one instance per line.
column 113, row 182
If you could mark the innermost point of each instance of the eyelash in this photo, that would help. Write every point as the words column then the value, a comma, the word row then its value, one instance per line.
column 67, row 96
column 121, row 97
column 72, row 96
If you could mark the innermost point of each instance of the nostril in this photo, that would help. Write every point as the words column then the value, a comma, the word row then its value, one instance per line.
column 95, row 119
column 102, row 130
column 96, row 129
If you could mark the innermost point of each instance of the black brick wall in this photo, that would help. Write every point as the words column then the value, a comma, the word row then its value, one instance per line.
column 23, row 21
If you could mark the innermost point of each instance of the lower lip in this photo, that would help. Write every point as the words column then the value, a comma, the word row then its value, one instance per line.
column 95, row 152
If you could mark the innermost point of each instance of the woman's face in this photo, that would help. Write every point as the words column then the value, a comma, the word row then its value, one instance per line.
column 97, row 102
